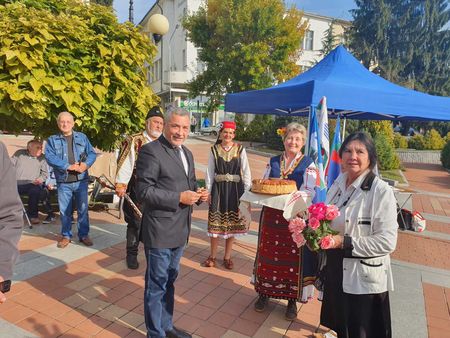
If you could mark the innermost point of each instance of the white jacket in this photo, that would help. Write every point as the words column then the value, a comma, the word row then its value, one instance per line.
column 371, row 222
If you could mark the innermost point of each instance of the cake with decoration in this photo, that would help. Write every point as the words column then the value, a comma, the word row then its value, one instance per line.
column 273, row 186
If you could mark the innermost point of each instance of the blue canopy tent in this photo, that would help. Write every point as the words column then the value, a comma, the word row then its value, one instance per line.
column 350, row 89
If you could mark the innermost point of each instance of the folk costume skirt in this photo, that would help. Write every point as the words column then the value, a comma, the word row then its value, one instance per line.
column 352, row 316
column 281, row 269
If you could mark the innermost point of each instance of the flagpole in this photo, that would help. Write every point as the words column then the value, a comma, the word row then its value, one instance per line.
column 343, row 128
column 307, row 132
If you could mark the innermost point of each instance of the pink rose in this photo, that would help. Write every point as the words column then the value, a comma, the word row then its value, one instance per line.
column 298, row 239
column 327, row 242
column 318, row 210
column 332, row 212
column 313, row 223
column 296, row 225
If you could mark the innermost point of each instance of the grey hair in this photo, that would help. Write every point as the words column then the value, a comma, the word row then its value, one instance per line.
column 65, row 113
column 35, row 140
column 174, row 111
column 297, row 127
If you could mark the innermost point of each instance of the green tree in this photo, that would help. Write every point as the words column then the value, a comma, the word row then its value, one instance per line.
column 433, row 140
column 61, row 55
column 384, row 128
column 407, row 39
column 387, row 157
column 102, row 2
column 371, row 35
column 329, row 40
column 244, row 44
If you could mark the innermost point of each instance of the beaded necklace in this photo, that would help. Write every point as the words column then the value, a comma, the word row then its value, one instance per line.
column 284, row 173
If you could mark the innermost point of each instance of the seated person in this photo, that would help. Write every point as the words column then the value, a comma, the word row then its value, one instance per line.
column 49, row 188
column 31, row 173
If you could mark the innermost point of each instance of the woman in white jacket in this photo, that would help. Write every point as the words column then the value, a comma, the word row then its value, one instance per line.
column 357, row 275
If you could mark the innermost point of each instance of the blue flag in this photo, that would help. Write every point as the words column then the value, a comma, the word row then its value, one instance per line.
column 334, row 168
column 314, row 151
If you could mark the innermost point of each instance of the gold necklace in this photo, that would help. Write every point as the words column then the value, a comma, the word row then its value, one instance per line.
column 285, row 173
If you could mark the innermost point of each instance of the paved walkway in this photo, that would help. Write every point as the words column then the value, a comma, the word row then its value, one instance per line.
column 88, row 292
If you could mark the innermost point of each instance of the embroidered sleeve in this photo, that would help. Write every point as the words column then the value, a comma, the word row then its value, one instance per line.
column 309, row 179
column 209, row 177
column 245, row 169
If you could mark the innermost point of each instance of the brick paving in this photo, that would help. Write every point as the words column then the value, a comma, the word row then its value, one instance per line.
column 96, row 296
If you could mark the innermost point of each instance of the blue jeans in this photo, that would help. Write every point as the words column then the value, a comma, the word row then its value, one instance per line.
column 80, row 191
column 159, row 296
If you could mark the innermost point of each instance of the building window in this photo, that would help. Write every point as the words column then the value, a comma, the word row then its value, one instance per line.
column 308, row 40
column 184, row 59
column 154, row 72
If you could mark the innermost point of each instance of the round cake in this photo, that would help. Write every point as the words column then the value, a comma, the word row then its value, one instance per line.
column 273, row 186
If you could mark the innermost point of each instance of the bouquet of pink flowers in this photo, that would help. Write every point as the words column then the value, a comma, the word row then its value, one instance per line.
column 315, row 232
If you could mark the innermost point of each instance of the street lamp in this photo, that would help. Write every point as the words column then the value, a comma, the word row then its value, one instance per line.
column 131, row 12
column 158, row 25
column 170, row 62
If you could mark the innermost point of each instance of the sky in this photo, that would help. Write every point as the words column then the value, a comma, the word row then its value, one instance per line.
column 333, row 8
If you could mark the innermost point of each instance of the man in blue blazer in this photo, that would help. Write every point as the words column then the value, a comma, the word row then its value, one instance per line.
column 166, row 188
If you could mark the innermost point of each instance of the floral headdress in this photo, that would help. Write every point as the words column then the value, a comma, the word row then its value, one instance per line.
column 281, row 131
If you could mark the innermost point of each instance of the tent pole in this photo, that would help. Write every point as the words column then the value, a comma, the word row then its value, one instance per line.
column 307, row 132
column 343, row 129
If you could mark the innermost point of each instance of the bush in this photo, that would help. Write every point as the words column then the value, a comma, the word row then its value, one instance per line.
column 275, row 141
column 387, row 157
column 258, row 129
column 375, row 128
column 433, row 140
column 400, row 141
column 241, row 127
column 447, row 137
column 417, row 142
column 445, row 155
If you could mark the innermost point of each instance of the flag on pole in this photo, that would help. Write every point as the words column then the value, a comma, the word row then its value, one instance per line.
column 334, row 168
column 314, row 151
column 324, row 133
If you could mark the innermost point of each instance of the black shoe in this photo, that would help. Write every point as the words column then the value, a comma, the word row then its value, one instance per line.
column 48, row 219
column 177, row 333
column 132, row 262
column 291, row 310
column 260, row 304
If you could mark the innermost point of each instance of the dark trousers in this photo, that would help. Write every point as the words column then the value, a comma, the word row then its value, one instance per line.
column 45, row 198
column 352, row 316
column 159, row 295
column 33, row 192
column 133, row 222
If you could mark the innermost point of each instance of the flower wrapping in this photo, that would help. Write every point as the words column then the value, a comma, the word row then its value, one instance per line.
column 315, row 232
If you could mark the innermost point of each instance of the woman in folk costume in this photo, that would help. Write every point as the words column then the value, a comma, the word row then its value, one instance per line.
column 282, row 270
column 227, row 176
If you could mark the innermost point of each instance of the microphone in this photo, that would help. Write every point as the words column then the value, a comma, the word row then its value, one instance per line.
column 83, row 157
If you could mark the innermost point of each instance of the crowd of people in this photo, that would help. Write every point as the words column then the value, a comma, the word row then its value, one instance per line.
column 156, row 170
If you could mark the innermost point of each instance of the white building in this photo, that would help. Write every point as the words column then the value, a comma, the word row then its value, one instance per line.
column 312, row 43
column 176, row 61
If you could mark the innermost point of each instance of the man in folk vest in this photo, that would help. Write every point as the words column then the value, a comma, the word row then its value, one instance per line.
column 125, row 178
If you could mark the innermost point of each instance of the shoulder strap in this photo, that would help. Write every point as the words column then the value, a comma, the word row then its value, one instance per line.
column 366, row 185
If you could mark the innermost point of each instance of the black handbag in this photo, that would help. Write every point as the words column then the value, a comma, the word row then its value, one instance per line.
column 404, row 219
column 320, row 273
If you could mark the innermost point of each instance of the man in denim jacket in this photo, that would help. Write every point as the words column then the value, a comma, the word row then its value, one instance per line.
column 71, row 154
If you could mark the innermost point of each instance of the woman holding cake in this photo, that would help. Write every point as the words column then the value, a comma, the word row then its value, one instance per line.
column 227, row 176
column 282, row 270
column 358, row 275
